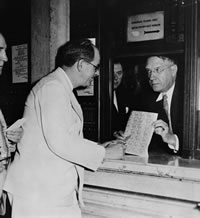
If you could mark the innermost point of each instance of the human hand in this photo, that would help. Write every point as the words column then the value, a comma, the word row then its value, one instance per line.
column 105, row 144
column 114, row 150
column 14, row 135
column 119, row 134
column 161, row 128
column 4, row 164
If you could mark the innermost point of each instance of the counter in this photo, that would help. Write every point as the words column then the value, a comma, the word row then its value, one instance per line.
column 157, row 186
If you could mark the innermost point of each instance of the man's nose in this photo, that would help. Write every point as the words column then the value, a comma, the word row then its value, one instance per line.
column 4, row 56
column 151, row 75
column 115, row 77
column 96, row 73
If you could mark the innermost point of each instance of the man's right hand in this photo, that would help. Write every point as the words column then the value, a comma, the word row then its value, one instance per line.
column 3, row 165
column 161, row 128
column 114, row 150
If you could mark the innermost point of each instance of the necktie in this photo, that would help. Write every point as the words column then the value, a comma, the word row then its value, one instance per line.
column 166, row 108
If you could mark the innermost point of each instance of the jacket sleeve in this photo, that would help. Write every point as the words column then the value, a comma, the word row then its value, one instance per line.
column 62, row 128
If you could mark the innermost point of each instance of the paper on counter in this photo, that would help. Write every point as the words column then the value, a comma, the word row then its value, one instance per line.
column 140, row 129
column 16, row 125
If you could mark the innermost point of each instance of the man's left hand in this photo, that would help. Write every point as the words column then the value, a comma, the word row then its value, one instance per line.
column 161, row 128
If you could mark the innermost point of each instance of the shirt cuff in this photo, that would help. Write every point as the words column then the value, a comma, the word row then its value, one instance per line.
column 176, row 147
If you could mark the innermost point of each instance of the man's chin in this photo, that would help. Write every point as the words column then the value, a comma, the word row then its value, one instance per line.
column 84, row 86
column 156, row 88
column 88, row 83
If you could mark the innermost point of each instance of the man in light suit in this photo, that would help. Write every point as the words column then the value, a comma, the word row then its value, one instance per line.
column 162, row 74
column 46, row 177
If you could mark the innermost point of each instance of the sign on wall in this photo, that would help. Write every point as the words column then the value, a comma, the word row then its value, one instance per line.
column 20, row 63
column 143, row 27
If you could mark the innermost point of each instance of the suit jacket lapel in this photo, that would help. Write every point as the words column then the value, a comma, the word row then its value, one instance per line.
column 157, row 107
column 175, row 107
column 76, row 106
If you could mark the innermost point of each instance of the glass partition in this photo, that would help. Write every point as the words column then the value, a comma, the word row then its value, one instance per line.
column 134, row 88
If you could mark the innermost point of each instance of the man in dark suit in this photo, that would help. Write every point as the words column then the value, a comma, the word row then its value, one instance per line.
column 166, row 99
column 120, row 107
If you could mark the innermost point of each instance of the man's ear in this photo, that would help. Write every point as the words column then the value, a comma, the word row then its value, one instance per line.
column 80, row 65
column 174, row 69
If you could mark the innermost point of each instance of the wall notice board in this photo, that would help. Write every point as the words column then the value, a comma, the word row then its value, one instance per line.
column 143, row 27
column 20, row 63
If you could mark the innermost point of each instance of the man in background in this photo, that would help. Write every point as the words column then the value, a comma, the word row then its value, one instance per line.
column 120, row 107
column 166, row 99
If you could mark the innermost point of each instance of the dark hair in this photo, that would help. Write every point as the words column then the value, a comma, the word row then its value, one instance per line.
column 73, row 51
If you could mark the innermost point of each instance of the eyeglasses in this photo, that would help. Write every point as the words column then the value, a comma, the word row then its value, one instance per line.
column 96, row 67
column 157, row 70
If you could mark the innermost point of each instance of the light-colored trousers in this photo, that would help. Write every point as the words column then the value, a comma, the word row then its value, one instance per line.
column 23, row 208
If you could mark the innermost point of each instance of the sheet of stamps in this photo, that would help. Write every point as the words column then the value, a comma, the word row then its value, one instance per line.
column 140, row 129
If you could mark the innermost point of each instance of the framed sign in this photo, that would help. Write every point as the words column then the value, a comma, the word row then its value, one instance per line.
column 20, row 63
column 143, row 27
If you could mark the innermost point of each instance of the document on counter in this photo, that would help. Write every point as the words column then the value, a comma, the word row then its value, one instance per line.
column 139, row 128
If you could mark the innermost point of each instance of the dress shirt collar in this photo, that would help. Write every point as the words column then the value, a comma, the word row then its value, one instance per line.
column 115, row 99
column 169, row 94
